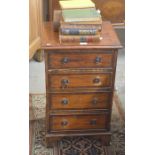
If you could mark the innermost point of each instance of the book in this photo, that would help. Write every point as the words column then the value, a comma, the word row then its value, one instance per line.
column 99, row 22
column 81, row 26
column 75, row 4
column 76, row 31
column 56, row 20
column 81, row 15
column 79, row 38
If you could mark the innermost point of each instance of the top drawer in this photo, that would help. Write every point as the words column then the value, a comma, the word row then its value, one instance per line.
column 99, row 59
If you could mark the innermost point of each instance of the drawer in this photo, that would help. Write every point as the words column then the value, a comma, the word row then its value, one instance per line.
column 79, row 122
column 80, row 60
column 80, row 101
column 80, row 81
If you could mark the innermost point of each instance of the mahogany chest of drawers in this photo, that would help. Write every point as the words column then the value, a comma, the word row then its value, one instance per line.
column 79, row 86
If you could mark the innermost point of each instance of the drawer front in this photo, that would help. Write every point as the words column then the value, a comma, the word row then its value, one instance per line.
column 77, row 122
column 80, row 81
column 81, row 101
column 80, row 60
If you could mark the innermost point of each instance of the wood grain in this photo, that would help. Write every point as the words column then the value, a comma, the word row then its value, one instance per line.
column 80, row 101
column 50, row 39
column 35, row 26
column 80, row 81
column 80, row 59
column 72, row 85
column 79, row 122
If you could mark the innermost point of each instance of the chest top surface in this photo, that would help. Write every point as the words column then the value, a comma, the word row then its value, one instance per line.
column 50, row 39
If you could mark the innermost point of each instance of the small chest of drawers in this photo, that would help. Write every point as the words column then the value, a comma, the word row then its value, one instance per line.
column 79, row 86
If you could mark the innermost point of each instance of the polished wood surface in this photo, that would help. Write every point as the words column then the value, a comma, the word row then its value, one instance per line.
column 75, row 122
column 75, row 59
column 79, row 85
column 50, row 39
column 112, row 10
column 35, row 26
column 80, row 81
column 85, row 113
column 80, row 101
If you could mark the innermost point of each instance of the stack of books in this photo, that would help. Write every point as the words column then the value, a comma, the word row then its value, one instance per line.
column 80, row 22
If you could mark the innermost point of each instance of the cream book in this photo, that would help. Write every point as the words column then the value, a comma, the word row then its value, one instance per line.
column 75, row 4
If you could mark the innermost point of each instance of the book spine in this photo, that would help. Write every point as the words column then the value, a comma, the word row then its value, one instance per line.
column 98, row 27
column 79, row 39
column 81, row 19
column 69, row 31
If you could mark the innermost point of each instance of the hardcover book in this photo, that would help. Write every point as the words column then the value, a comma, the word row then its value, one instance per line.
column 81, row 26
column 56, row 20
column 75, row 31
column 62, row 22
column 74, row 4
column 79, row 38
column 81, row 15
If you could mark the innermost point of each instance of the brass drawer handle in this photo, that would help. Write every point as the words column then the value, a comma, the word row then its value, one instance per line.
column 64, row 83
column 93, row 122
column 64, row 123
column 94, row 102
column 65, row 60
column 98, row 60
column 64, row 101
column 96, row 80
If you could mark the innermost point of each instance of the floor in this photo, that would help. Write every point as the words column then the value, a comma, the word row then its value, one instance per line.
column 36, row 77
column 120, row 77
column 120, row 70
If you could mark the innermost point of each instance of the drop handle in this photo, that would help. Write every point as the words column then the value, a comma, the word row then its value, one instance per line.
column 96, row 80
column 64, row 101
column 94, row 102
column 93, row 122
column 64, row 123
column 65, row 60
column 64, row 83
column 98, row 59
